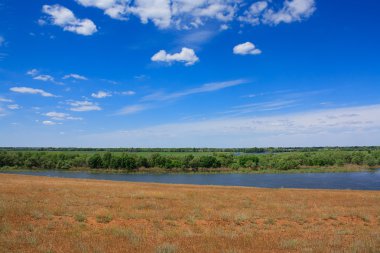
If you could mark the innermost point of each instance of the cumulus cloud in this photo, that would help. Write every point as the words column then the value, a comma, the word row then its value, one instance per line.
column 61, row 116
column 291, row 11
column 186, row 56
column 75, row 76
column 65, row 18
column 83, row 106
column 188, row 14
column 101, row 94
column 27, row 90
column 246, row 48
column 117, row 9
column 294, row 10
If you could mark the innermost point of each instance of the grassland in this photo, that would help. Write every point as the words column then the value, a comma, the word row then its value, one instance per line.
column 65, row 215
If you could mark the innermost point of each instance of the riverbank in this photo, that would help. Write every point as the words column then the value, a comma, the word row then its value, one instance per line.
column 327, row 169
column 40, row 214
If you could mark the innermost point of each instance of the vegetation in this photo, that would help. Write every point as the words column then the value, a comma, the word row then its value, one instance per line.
column 67, row 215
column 180, row 160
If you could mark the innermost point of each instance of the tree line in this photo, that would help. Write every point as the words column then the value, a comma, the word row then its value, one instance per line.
column 188, row 162
column 250, row 150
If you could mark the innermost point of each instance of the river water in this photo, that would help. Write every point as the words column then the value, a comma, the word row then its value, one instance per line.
column 352, row 180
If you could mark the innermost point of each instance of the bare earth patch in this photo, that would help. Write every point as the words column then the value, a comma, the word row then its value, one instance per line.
column 39, row 214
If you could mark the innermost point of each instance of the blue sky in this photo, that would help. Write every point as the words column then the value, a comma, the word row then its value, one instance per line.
column 185, row 73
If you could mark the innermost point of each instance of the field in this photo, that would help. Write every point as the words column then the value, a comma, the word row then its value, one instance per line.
column 66, row 215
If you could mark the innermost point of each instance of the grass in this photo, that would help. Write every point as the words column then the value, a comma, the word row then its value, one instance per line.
column 39, row 214
column 104, row 218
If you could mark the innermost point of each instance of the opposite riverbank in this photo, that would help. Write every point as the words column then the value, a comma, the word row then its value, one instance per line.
column 327, row 169
column 40, row 214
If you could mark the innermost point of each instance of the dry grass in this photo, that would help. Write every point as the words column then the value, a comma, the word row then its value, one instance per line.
column 65, row 215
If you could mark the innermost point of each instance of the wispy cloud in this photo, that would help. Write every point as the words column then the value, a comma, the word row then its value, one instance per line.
column 50, row 123
column 27, row 90
column 35, row 74
column 263, row 106
column 104, row 94
column 61, row 116
column 208, row 87
column 83, row 106
column 6, row 100
column 101, row 94
column 341, row 126
column 132, row 109
column 75, row 76
column 14, row 107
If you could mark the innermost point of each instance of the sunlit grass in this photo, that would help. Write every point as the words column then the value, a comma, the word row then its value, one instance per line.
column 40, row 214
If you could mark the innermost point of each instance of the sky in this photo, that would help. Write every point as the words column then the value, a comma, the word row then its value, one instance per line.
column 189, row 73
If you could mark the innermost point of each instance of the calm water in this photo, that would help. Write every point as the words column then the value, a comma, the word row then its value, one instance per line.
column 354, row 180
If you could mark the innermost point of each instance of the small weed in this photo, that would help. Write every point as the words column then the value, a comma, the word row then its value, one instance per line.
column 191, row 220
column 37, row 215
column 127, row 233
column 269, row 222
column 289, row 244
column 240, row 219
column 31, row 240
column 80, row 218
column 166, row 248
column 104, row 218
column 364, row 218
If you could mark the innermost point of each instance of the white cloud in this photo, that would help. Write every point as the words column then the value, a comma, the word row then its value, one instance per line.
column 117, row 9
column 186, row 56
column 83, row 106
column 224, row 27
column 252, row 15
column 188, row 14
column 158, row 11
column 342, row 126
column 65, row 18
column 28, row 90
column 5, row 100
column 32, row 72
column 75, row 76
column 14, row 107
column 246, row 48
column 208, row 87
column 49, row 123
column 101, row 94
column 292, row 11
column 128, row 93
column 61, row 116
column 132, row 109
column 44, row 78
